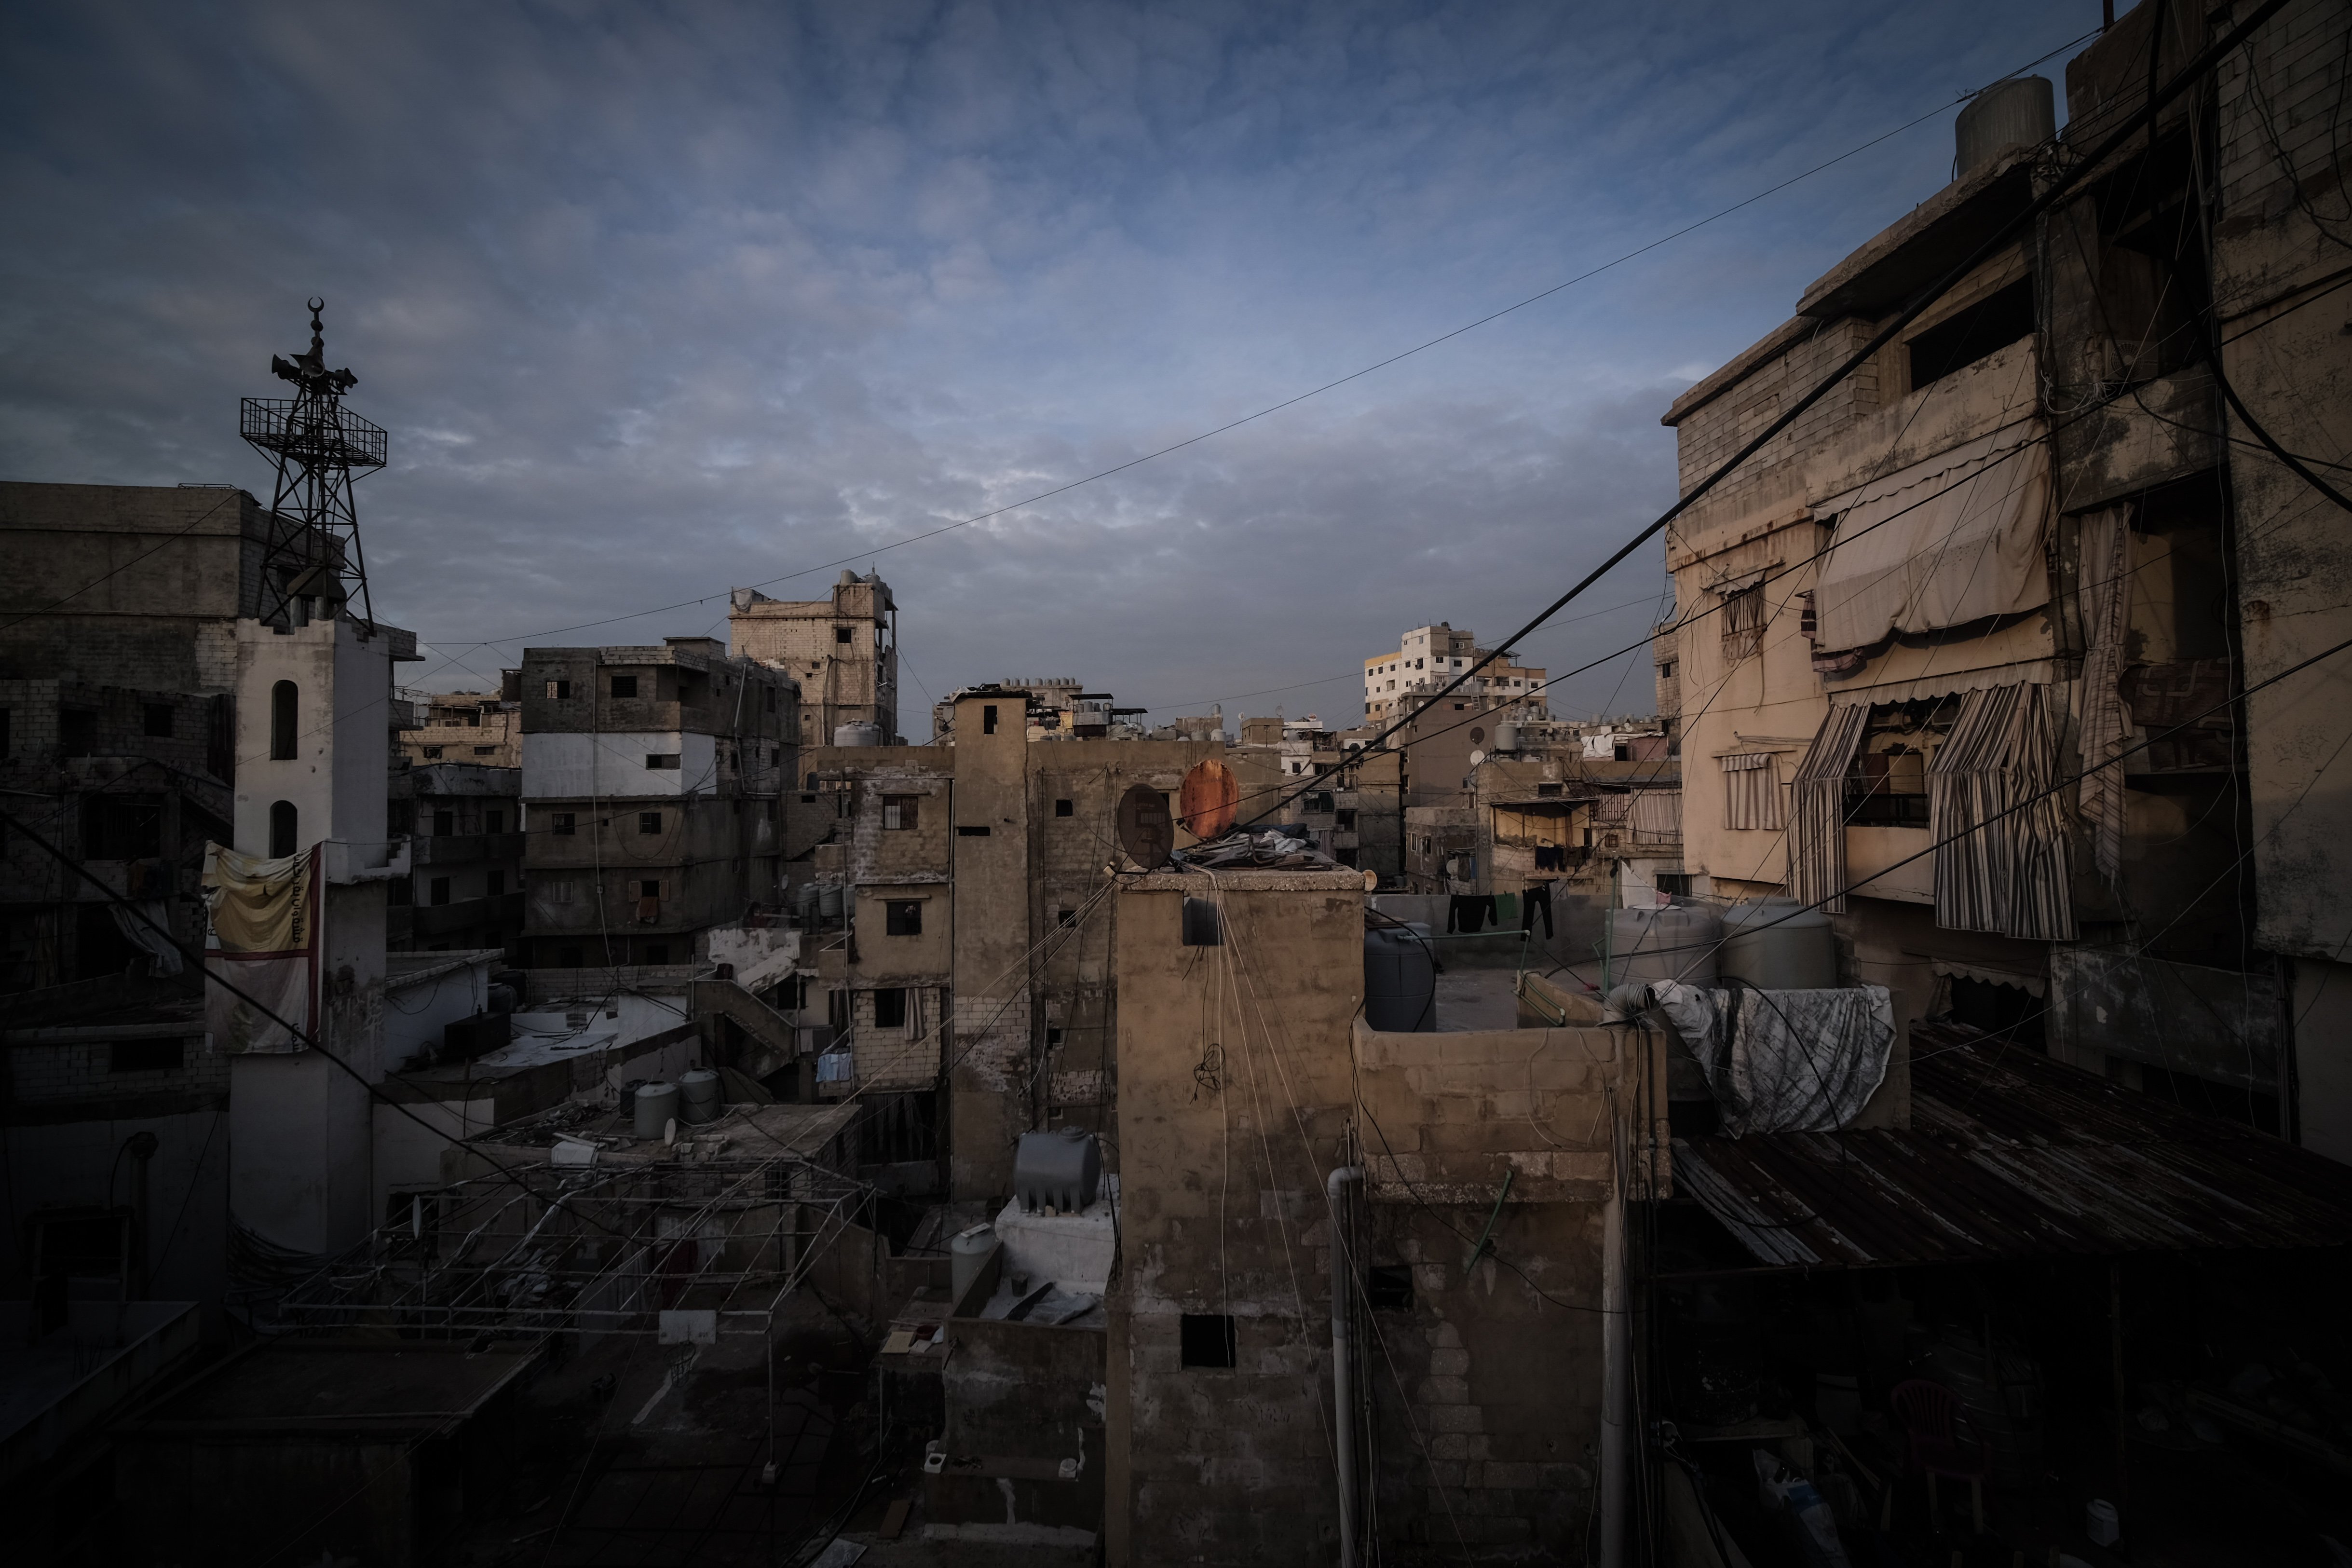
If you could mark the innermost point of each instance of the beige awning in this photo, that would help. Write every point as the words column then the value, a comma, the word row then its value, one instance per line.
column 1941, row 543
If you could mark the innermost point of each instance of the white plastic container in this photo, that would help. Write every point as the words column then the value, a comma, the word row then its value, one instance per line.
column 2101, row 1523
column 968, row 1254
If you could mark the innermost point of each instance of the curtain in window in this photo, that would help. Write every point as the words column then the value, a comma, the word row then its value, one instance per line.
column 1743, row 623
column 2002, row 865
column 2103, row 596
column 1817, row 811
column 1751, row 792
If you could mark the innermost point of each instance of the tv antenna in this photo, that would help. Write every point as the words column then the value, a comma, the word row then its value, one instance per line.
column 318, row 445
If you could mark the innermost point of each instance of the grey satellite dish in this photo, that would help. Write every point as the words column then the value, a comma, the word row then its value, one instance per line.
column 1478, row 757
column 1146, row 829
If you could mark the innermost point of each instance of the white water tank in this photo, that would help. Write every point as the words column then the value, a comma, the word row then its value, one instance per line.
column 1776, row 944
column 859, row 734
column 1507, row 736
column 968, row 1254
column 1671, row 943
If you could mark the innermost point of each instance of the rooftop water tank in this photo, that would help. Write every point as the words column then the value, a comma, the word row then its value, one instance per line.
column 656, row 1107
column 1059, row 1169
column 1507, row 736
column 1674, row 943
column 828, row 900
column 697, row 1089
column 858, row 734
column 1400, row 979
column 1779, row 945
column 968, row 1253
column 2020, row 112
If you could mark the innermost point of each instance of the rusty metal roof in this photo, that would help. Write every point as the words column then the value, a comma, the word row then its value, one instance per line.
column 2010, row 1155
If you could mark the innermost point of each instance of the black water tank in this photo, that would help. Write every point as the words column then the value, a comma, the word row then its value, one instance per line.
column 1400, row 979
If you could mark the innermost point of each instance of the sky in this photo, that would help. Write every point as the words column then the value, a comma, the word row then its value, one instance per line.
column 656, row 301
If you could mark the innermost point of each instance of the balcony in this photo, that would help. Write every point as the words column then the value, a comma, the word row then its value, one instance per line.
column 503, row 910
column 466, row 848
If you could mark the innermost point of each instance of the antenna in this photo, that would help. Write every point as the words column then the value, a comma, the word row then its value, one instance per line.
column 314, row 530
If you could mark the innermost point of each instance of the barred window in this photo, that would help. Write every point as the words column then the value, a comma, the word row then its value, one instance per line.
column 1743, row 623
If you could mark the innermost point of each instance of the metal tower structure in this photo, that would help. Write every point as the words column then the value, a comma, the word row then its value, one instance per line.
column 318, row 446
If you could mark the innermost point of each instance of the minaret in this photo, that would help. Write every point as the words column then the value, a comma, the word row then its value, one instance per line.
column 314, row 563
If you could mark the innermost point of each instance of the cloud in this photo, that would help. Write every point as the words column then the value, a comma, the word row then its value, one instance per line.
column 658, row 301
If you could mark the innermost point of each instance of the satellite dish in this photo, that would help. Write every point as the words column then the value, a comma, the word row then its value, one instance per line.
column 1478, row 757
column 1145, row 829
column 1212, row 799
column 1371, row 879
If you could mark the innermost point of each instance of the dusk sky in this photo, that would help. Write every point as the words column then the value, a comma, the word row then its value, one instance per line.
column 660, row 299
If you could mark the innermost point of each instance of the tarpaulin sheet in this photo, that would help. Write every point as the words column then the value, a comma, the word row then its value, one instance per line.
column 1785, row 1061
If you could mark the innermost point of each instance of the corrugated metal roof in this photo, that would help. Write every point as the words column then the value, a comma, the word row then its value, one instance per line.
column 2010, row 1155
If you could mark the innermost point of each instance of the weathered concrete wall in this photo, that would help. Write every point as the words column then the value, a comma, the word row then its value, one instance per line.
column 993, row 1033
column 1024, row 1434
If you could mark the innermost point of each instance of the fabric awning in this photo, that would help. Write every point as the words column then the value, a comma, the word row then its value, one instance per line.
column 1943, row 542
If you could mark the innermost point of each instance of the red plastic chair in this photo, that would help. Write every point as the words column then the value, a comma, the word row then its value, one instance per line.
column 1932, row 1424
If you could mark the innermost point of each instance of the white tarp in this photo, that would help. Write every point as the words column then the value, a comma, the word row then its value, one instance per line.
column 1950, row 540
column 1785, row 1061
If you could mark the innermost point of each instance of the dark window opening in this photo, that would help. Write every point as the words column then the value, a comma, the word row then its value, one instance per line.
column 1065, row 917
column 902, row 916
column 497, row 884
column 1345, row 854
column 568, row 958
column 2203, row 1095
column 1546, row 789
column 1388, row 1287
column 432, row 753
column 78, row 731
column 656, row 952
column 2011, row 1013
column 901, row 812
column 400, row 892
column 284, row 826
column 1204, row 924
column 122, row 827
column 836, row 1009
column 1344, row 820
column 648, row 888
column 1063, row 808
column 1206, row 1340
column 147, row 1055
column 890, row 1007
column 842, row 635
column 980, row 832
column 649, row 822
column 284, row 700
column 663, row 760
column 445, row 823
column 559, row 690
column 158, row 717
column 988, row 720
column 567, row 823
column 1743, row 623
column 494, row 821
column 1677, row 883
column 1052, row 1037
column 440, row 891
column 1962, row 339
column 808, row 800
column 1887, row 789
column 625, row 686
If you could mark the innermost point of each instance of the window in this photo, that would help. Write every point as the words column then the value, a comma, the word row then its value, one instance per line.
column 1388, row 1288
column 1206, row 1340
column 890, row 1007
column 836, row 1009
column 649, row 822
column 561, row 691
column 1887, row 789
column 147, row 1055
column 432, row 753
column 1546, row 789
column 1667, row 671
column 1751, row 793
column 903, row 917
column 1063, row 808
column 497, row 884
column 656, row 952
column 567, row 823
column 400, row 892
column 901, row 812
column 1677, row 883
column 122, row 827
column 567, row 958
column 1204, row 924
column 440, row 893
column 1053, row 1037
column 283, row 826
column 843, row 635
column 493, row 822
column 979, row 832
column 283, row 698
column 444, row 823
column 648, row 888
column 486, row 751
column 1065, row 917
column 1320, row 800
column 808, row 800
column 665, row 761
column 625, row 686
column 988, row 720
column 1743, row 623
column 158, row 720
column 1344, row 820
column 1969, row 335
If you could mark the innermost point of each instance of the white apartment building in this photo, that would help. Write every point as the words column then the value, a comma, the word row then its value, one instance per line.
column 1426, row 658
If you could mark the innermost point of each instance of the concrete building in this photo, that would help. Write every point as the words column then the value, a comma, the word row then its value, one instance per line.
column 1426, row 658
column 464, row 821
column 842, row 653
column 483, row 729
column 650, row 781
column 1980, row 564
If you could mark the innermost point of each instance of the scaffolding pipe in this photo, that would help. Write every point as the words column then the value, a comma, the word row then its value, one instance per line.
column 1616, row 1368
column 1343, row 1402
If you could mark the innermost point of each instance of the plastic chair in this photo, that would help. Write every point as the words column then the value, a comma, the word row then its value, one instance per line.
column 1932, row 1424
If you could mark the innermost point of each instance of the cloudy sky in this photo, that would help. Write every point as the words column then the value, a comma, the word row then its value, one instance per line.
column 660, row 299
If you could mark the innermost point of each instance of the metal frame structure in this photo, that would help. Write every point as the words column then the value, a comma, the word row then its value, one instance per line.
column 316, row 443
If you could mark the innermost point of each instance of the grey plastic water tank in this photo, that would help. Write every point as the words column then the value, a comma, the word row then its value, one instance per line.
column 968, row 1254
column 859, row 734
column 1674, row 943
column 656, row 1107
column 1400, row 979
column 1507, row 736
column 1778, row 945
column 1061, row 1170
column 697, row 1090
column 2020, row 112
column 804, row 897
column 828, row 900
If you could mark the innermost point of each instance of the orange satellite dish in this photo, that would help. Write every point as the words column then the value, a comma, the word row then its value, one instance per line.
column 1210, row 799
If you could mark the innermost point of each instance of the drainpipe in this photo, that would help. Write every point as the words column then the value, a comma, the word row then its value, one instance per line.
column 1343, row 1402
column 1616, row 1367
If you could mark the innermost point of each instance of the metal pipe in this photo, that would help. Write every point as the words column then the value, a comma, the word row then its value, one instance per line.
column 1616, row 1368
column 1343, row 1402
